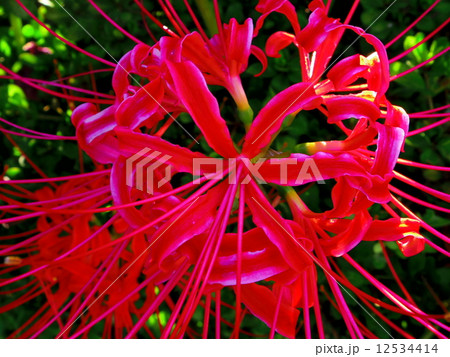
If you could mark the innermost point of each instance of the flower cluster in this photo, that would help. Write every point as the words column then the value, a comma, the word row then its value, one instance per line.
column 219, row 240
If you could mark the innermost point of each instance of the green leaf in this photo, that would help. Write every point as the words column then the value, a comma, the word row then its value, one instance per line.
column 13, row 172
column 419, row 54
column 28, row 58
column 5, row 48
column 16, row 96
column 28, row 31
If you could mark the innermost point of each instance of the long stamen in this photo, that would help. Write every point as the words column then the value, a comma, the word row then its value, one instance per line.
column 54, row 93
column 218, row 313
column 169, row 286
column 112, row 22
column 351, row 12
column 239, row 260
column 155, row 20
column 276, row 313
column 395, row 275
column 422, row 166
column 400, row 35
column 216, row 235
column 38, row 236
column 63, row 39
column 424, row 224
column 86, row 327
column 195, row 19
column 56, row 83
column 108, row 263
column 171, row 19
column 44, row 135
column 27, row 158
column 207, row 310
column 177, row 18
column 391, row 295
column 43, row 211
column 441, row 195
column 306, row 320
column 428, row 127
column 418, row 201
column 409, row 50
column 404, row 73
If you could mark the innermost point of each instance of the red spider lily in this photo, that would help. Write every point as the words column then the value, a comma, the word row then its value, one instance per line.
column 179, row 248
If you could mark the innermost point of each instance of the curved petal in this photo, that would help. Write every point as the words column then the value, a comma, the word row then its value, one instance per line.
column 195, row 49
column 137, row 109
column 412, row 245
column 259, row 54
column 397, row 117
column 139, row 53
column 390, row 142
column 95, row 132
column 347, row 71
column 278, row 41
column 382, row 83
column 238, row 40
column 260, row 259
column 202, row 106
column 392, row 229
column 120, row 81
column 121, row 195
column 262, row 303
column 317, row 30
column 343, row 107
column 346, row 239
column 266, row 7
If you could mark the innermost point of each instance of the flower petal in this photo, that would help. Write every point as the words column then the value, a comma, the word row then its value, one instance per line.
column 392, row 229
column 382, row 83
column 317, row 30
column 259, row 54
column 346, row 239
column 390, row 142
column 278, row 41
column 120, row 192
column 412, row 245
column 266, row 7
column 347, row 71
column 262, row 303
column 202, row 106
column 343, row 107
column 271, row 117
column 95, row 132
column 260, row 259
column 130, row 143
column 180, row 229
column 137, row 109
column 292, row 246
column 195, row 49
column 238, row 40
